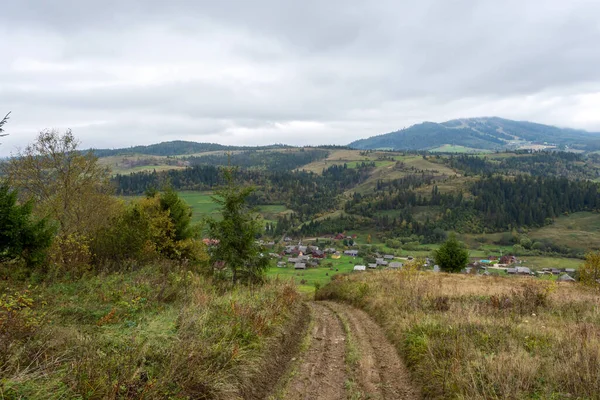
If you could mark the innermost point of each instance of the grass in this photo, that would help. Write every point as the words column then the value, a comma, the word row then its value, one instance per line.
column 577, row 230
column 307, row 280
column 448, row 148
column 125, row 164
column 152, row 333
column 202, row 205
column 474, row 337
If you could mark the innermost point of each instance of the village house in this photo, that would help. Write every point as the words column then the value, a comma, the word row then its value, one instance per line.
column 299, row 266
column 388, row 257
column 565, row 278
column 395, row 265
column 281, row 264
column 518, row 271
column 360, row 268
column 318, row 254
column 506, row 260
column 352, row 253
column 381, row 261
column 372, row 266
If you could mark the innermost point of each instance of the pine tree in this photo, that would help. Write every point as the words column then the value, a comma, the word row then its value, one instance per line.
column 20, row 236
column 237, row 250
column 452, row 255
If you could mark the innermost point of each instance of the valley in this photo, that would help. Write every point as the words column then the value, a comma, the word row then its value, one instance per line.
column 305, row 272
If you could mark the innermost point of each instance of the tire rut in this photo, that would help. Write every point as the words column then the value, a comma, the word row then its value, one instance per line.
column 322, row 372
column 380, row 373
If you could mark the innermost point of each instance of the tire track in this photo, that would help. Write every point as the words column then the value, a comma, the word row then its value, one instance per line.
column 322, row 374
column 380, row 374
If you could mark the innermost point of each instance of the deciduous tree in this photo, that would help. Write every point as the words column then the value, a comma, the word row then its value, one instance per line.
column 589, row 273
column 65, row 184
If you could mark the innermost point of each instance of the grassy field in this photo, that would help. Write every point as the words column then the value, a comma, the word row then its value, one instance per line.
column 204, row 206
column 448, row 148
column 578, row 230
column 125, row 164
column 474, row 337
column 153, row 333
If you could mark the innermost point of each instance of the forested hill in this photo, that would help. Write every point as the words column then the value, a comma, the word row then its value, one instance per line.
column 487, row 133
column 179, row 147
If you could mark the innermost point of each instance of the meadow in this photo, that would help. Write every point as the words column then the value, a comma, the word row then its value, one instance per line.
column 156, row 333
column 311, row 278
column 474, row 337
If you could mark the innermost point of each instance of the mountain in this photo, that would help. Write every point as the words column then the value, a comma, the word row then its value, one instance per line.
column 487, row 133
column 178, row 147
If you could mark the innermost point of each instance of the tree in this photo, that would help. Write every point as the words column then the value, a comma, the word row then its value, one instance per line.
column 2, row 123
column 20, row 236
column 179, row 212
column 452, row 256
column 66, row 185
column 589, row 273
column 237, row 252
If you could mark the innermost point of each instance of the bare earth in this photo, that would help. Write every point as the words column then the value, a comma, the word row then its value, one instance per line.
column 323, row 371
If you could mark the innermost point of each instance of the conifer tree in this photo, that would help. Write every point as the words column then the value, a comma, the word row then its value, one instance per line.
column 237, row 251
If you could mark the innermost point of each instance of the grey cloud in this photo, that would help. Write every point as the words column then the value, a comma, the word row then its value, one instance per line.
column 302, row 72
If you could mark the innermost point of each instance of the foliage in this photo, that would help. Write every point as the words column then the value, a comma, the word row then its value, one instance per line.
column 179, row 212
column 69, row 187
column 589, row 272
column 237, row 254
column 452, row 256
column 148, row 229
column 21, row 237
column 177, row 147
column 3, row 122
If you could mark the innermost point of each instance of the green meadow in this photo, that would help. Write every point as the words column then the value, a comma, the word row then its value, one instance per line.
column 308, row 279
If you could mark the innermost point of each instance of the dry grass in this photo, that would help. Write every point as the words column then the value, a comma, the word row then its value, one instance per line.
column 151, row 334
column 472, row 337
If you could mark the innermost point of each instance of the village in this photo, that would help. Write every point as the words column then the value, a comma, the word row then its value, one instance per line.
column 306, row 254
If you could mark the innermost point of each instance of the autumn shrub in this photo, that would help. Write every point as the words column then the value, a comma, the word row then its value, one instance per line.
column 70, row 255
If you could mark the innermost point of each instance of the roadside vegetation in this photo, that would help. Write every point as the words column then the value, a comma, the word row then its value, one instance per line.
column 475, row 337
column 106, row 299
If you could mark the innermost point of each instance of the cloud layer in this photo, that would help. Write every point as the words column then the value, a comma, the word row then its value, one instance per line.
column 121, row 73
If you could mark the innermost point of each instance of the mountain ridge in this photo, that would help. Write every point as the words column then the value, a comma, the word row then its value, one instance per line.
column 486, row 133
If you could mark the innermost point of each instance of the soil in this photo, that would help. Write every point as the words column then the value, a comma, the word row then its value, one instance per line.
column 323, row 372
column 278, row 359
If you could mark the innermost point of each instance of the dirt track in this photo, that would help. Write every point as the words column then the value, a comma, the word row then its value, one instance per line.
column 348, row 358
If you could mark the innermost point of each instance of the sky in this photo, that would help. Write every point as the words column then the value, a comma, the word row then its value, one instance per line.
column 120, row 73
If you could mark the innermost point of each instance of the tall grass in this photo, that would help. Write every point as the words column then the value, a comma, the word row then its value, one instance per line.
column 472, row 337
column 148, row 334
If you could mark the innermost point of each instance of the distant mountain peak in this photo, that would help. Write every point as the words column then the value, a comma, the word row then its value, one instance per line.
column 483, row 133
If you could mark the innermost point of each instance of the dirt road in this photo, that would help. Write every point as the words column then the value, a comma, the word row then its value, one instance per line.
column 348, row 357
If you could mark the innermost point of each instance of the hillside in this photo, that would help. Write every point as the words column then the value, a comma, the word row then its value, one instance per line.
column 484, row 133
column 178, row 147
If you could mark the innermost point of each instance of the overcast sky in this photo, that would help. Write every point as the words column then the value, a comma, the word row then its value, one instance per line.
column 121, row 73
